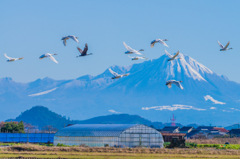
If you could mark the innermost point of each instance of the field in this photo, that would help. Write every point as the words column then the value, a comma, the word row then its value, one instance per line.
column 37, row 151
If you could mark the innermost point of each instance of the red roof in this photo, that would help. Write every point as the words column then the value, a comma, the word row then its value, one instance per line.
column 173, row 134
column 221, row 129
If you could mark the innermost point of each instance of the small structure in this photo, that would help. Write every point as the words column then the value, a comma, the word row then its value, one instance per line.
column 170, row 129
column 234, row 133
column 221, row 131
column 118, row 135
column 205, row 128
column 167, row 137
column 186, row 129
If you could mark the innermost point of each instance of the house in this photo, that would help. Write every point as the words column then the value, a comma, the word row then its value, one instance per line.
column 234, row 133
column 221, row 131
column 167, row 137
column 170, row 129
column 186, row 129
column 205, row 128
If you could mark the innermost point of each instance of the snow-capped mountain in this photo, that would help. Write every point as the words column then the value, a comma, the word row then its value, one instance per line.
column 207, row 98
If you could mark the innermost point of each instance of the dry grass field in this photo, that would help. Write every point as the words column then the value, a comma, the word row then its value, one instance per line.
column 215, row 141
column 36, row 151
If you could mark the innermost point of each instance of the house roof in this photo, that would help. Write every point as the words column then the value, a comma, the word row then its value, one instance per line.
column 205, row 128
column 193, row 133
column 170, row 128
column 186, row 128
column 234, row 131
column 173, row 134
column 221, row 129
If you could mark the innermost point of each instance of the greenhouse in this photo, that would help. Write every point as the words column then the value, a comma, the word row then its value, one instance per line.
column 114, row 135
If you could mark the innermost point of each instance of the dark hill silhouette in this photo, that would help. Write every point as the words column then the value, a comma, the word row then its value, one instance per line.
column 41, row 116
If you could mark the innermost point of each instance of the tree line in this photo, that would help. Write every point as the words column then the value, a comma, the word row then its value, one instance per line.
column 12, row 127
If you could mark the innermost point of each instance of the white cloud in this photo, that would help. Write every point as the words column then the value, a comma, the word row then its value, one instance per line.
column 113, row 111
column 208, row 97
column 172, row 108
column 213, row 108
column 42, row 93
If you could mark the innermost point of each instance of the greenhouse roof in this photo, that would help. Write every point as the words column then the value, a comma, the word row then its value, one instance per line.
column 94, row 130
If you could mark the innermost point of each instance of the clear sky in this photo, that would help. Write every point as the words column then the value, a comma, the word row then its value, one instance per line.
column 32, row 28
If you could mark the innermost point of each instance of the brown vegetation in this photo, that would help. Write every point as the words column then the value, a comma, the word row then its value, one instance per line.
column 32, row 149
column 215, row 141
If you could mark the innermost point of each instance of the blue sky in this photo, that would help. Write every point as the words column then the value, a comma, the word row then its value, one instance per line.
column 32, row 28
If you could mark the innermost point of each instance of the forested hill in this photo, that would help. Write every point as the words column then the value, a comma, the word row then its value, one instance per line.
column 41, row 116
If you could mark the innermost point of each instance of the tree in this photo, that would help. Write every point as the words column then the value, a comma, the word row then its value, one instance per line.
column 13, row 127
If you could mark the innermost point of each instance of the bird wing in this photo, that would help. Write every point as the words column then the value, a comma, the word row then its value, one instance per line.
column 73, row 37
column 162, row 42
column 85, row 49
column 52, row 58
column 113, row 73
column 128, row 47
column 227, row 45
column 130, row 56
column 169, row 85
column 220, row 45
column 7, row 57
column 64, row 42
column 175, row 55
column 153, row 43
column 178, row 84
column 169, row 55
column 80, row 50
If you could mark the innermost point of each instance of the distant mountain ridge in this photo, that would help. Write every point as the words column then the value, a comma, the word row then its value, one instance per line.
column 41, row 116
column 207, row 98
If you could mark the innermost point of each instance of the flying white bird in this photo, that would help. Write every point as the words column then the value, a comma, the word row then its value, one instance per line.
column 171, row 56
column 159, row 41
column 65, row 38
column 49, row 56
column 131, row 51
column 10, row 59
column 84, row 52
column 177, row 83
column 224, row 48
column 116, row 75
column 137, row 58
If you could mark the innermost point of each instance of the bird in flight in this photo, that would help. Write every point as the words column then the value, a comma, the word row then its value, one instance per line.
column 131, row 51
column 224, row 48
column 84, row 52
column 65, row 38
column 49, row 56
column 137, row 58
column 116, row 75
column 10, row 59
column 159, row 41
column 177, row 83
column 171, row 56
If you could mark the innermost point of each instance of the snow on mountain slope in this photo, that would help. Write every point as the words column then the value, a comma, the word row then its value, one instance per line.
column 89, row 96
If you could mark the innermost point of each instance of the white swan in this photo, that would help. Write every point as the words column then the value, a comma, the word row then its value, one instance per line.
column 65, row 38
column 49, row 56
column 116, row 75
column 224, row 48
column 171, row 56
column 159, row 41
column 10, row 59
column 131, row 51
column 137, row 58
column 177, row 83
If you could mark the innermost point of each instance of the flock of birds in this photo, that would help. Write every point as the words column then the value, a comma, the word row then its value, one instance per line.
column 129, row 51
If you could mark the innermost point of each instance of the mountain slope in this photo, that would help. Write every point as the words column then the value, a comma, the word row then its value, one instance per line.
column 207, row 98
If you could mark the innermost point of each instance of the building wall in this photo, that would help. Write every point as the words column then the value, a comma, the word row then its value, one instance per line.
column 141, row 136
column 27, row 137
column 86, row 140
column 136, row 136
